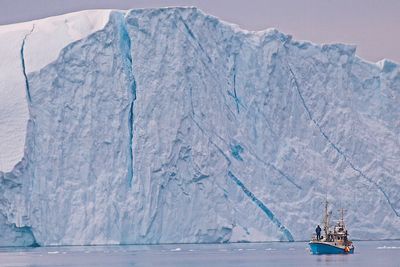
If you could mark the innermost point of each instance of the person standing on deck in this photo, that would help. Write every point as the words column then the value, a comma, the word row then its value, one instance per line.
column 318, row 231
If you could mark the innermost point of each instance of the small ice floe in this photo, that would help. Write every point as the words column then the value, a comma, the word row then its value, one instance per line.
column 191, row 250
column 250, row 249
column 269, row 249
column 53, row 252
column 64, row 252
column 176, row 249
column 240, row 249
column 385, row 247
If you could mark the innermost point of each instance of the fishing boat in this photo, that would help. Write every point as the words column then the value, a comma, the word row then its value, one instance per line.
column 335, row 240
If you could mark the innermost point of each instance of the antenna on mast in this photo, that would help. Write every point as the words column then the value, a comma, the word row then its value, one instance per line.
column 342, row 211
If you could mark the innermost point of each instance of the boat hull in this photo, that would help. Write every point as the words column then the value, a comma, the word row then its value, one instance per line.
column 318, row 248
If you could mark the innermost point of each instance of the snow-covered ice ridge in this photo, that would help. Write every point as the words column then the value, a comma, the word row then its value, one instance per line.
column 168, row 125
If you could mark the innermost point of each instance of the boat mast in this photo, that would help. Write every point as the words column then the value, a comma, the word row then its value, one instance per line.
column 326, row 219
column 326, row 215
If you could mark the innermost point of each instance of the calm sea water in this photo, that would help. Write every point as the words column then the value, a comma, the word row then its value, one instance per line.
column 367, row 253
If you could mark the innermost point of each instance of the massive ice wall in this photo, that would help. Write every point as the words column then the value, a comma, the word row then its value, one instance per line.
column 169, row 125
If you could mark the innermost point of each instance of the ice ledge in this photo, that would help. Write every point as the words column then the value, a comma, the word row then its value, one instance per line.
column 192, row 13
column 387, row 65
column 59, row 31
column 52, row 34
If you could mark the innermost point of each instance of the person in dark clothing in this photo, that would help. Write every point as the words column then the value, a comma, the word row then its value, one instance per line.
column 318, row 231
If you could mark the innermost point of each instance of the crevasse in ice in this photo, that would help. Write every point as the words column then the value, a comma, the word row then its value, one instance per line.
column 168, row 125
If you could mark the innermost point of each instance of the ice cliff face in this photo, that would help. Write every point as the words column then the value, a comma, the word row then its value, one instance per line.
column 46, row 38
column 168, row 125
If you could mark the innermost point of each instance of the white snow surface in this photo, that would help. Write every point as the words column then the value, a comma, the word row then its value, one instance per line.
column 45, row 39
column 168, row 125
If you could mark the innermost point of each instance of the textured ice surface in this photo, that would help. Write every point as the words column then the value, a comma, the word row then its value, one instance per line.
column 169, row 126
column 12, row 208
column 43, row 41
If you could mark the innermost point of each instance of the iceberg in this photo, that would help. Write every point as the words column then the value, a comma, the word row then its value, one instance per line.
column 167, row 125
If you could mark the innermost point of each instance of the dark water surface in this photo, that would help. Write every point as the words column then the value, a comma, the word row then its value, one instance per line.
column 367, row 253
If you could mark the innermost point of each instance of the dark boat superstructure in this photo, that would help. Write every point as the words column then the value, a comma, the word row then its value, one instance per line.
column 334, row 242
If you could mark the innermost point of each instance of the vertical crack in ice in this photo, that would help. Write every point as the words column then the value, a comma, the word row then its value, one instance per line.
column 130, row 127
column 234, row 94
column 287, row 234
column 125, row 45
column 234, row 83
column 28, row 94
column 191, row 100
column 334, row 146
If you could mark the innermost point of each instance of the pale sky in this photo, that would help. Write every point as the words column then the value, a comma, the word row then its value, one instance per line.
column 372, row 25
